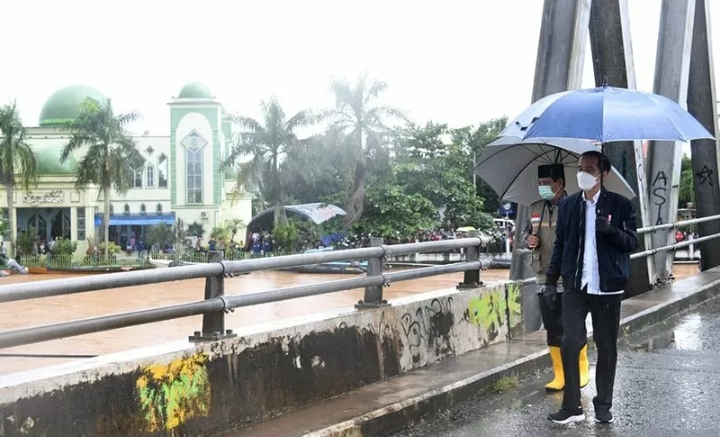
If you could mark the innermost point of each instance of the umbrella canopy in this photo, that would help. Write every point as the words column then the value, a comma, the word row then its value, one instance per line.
column 465, row 229
column 606, row 114
column 510, row 166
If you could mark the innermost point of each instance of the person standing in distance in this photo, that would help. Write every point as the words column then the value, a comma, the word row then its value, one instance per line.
column 596, row 232
column 539, row 236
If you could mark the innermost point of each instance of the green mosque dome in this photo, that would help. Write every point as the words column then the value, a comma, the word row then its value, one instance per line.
column 65, row 104
column 195, row 90
column 47, row 159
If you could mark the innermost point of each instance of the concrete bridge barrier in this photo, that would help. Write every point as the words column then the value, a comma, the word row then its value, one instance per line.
column 184, row 389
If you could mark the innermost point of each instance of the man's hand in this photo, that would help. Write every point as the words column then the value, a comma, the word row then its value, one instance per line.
column 550, row 295
column 602, row 225
column 532, row 242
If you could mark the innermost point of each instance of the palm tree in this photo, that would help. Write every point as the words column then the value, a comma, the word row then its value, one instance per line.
column 267, row 143
column 364, row 125
column 17, row 160
column 172, row 235
column 161, row 235
column 109, row 151
column 234, row 225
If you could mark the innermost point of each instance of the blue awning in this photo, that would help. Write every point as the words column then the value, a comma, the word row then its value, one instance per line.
column 137, row 219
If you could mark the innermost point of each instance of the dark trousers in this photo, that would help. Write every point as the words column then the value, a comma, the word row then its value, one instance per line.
column 605, row 312
column 552, row 321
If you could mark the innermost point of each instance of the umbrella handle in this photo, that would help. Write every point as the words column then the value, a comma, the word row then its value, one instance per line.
column 599, row 212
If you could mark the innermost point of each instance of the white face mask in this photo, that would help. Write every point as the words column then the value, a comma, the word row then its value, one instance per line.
column 586, row 181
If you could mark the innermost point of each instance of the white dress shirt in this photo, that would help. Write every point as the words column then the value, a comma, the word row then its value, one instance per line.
column 591, row 269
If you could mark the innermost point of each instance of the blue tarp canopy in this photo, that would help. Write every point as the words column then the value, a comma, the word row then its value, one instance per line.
column 137, row 219
column 317, row 212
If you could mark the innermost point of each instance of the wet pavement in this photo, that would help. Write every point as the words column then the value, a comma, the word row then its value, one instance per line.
column 666, row 385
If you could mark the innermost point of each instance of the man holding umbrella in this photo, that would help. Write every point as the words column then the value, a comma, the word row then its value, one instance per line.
column 596, row 232
column 539, row 236
column 596, row 229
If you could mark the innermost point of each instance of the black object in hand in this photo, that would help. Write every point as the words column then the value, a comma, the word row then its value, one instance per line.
column 550, row 295
column 602, row 225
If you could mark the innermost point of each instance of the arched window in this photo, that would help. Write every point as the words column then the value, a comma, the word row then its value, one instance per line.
column 194, row 176
column 150, row 176
column 126, row 209
column 162, row 168
column 158, row 208
column 143, row 209
column 135, row 176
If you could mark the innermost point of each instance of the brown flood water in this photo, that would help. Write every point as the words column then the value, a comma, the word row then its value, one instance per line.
column 21, row 314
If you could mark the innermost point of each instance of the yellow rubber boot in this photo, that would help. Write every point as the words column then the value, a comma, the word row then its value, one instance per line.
column 558, row 382
column 584, row 367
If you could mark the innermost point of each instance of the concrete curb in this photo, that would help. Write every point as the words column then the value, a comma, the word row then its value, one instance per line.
column 408, row 411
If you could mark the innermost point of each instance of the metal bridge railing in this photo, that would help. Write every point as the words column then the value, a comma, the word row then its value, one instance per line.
column 216, row 304
column 676, row 225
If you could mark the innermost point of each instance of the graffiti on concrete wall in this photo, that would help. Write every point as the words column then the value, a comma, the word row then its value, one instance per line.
column 489, row 311
column 431, row 324
column 514, row 303
column 170, row 394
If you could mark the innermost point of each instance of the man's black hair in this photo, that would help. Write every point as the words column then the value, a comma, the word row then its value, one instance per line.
column 603, row 161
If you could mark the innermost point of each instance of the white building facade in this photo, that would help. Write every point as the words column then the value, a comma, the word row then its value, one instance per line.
column 182, row 175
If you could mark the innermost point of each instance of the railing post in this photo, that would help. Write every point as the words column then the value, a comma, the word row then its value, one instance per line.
column 374, row 294
column 471, row 278
column 691, row 248
column 213, row 326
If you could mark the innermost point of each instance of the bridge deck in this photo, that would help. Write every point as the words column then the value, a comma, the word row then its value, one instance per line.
column 380, row 399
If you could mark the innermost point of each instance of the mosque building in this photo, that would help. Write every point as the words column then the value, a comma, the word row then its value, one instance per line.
column 182, row 176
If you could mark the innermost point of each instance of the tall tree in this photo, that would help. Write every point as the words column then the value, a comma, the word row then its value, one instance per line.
column 267, row 143
column 109, row 151
column 476, row 138
column 363, row 122
column 17, row 161
column 441, row 171
column 315, row 171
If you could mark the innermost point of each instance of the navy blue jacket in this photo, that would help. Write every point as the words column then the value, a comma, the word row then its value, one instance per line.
column 613, row 248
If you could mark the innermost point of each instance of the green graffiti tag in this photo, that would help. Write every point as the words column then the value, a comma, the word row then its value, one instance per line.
column 488, row 311
column 514, row 302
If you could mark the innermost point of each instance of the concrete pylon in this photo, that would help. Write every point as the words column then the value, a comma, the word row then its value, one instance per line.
column 612, row 54
column 702, row 104
column 672, row 69
column 559, row 67
column 684, row 73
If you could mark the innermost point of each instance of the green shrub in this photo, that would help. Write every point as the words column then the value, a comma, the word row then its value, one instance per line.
column 64, row 246
column 112, row 248
column 26, row 241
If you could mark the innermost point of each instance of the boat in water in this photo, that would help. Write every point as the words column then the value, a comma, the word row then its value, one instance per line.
column 334, row 267
column 162, row 263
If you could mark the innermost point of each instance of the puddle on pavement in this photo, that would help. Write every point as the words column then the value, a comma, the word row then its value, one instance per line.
column 683, row 333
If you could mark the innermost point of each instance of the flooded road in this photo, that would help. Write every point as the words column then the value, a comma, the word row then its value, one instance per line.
column 33, row 312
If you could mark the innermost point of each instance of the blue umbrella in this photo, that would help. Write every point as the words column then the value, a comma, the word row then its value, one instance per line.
column 606, row 114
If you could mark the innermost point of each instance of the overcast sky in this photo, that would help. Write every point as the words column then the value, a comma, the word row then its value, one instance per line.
column 459, row 62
